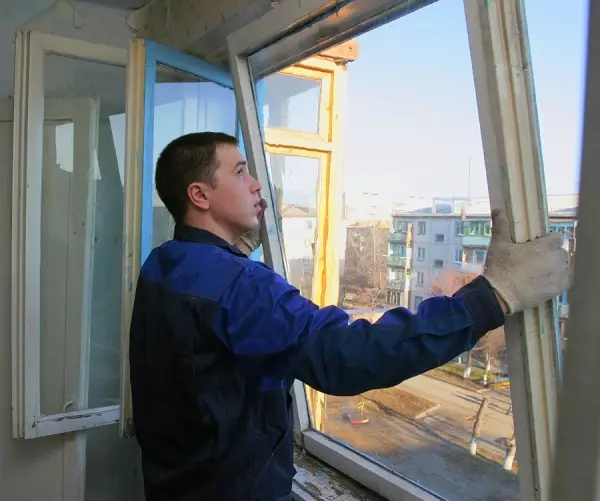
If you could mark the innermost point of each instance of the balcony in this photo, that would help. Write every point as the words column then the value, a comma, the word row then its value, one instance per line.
column 398, row 261
column 475, row 268
column 398, row 237
column 475, row 241
column 397, row 285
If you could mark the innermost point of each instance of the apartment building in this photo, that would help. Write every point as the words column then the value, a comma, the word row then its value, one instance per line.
column 448, row 246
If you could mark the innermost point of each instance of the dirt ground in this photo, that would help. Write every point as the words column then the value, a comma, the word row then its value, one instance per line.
column 413, row 437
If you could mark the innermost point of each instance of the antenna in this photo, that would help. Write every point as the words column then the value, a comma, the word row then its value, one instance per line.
column 469, row 184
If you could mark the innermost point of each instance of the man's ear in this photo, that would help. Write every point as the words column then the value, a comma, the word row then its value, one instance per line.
column 198, row 194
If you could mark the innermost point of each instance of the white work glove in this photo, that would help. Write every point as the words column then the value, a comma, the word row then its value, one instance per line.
column 253, row 239
column 526, row 274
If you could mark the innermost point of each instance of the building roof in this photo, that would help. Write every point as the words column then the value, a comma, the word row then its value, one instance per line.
column 559, row 206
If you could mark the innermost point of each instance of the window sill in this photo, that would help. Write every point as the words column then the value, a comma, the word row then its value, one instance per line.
column 315, row 481
column 343, row 474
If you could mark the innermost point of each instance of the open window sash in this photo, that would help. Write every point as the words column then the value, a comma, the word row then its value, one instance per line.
column 169, row 93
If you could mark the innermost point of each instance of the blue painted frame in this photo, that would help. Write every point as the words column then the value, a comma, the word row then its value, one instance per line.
column 260, row 95
column 155, row 54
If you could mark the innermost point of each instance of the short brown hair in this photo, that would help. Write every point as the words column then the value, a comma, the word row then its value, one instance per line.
column 188, row 159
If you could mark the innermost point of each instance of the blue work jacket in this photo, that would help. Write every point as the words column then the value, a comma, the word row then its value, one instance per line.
column 217, row 340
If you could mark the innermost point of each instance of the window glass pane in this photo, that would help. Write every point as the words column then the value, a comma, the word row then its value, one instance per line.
column 291, row 102
column 421, row 429
column 296, row 182
column 183, row 104
column 81, row 234
column 558, row 50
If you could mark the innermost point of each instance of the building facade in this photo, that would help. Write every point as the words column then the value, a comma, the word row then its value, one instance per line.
column 449, row 246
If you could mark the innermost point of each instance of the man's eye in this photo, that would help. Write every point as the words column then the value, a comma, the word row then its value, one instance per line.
column 240, row 172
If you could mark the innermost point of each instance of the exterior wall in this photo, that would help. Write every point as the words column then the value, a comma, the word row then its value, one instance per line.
column 444, row 251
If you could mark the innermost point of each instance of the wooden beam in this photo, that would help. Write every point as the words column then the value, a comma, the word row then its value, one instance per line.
column 343, row 53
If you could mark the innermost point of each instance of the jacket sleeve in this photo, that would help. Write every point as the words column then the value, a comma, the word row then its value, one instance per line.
column 277, row 333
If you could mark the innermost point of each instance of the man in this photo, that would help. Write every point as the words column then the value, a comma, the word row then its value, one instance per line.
column 217, row 339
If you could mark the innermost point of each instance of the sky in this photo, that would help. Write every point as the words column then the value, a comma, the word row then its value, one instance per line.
column 412, row 126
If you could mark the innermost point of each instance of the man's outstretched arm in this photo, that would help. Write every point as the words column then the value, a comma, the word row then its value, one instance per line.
column 278, row 333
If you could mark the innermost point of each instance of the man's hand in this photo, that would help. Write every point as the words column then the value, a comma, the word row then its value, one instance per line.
column 527, row 274
column 253, row 239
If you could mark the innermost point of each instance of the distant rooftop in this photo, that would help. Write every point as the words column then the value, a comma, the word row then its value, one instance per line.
column 558, row 206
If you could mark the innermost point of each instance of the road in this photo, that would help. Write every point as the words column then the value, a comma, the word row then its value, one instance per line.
column 433, row 450
column 458, row 408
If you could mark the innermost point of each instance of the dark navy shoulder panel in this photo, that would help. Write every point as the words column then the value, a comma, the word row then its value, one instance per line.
column 202, row 270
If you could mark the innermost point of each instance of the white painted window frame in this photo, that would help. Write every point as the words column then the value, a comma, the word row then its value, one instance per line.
column 30, row 48
column 512, row 151
column 292, row 31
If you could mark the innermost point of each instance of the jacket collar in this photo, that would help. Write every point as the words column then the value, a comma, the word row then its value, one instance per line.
column 185, row 233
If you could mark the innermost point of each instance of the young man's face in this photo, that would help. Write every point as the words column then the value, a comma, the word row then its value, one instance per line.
column 234, row 203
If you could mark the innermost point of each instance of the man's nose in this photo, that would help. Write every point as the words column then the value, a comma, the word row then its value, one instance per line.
column 256, row 187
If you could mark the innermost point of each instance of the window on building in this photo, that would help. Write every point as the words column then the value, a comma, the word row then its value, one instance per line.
column 477, row 229
column 438, row 263
column 421, row 253
column 420, row 277
column 422, row 228
column 396, row 274
column 475, row 256
column 458, row 228
column 458, row 255
column 480, row 256
column 401, row 226
column 398, row 250
column 439, row 237
column 417, row 301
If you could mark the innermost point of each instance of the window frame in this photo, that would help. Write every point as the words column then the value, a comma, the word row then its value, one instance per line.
column 458, row 252
column 509, row 124
column 577, row 462
column 29, row 115
column 324, row 145
column 324, row 159
column 143, row 58
column 278, row 39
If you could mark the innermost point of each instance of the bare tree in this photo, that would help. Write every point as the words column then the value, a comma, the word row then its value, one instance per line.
column 365, row 268
column 491, row 345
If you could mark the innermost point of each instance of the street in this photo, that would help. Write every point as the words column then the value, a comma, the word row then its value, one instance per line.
column 433, row 450
column 458, row 408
